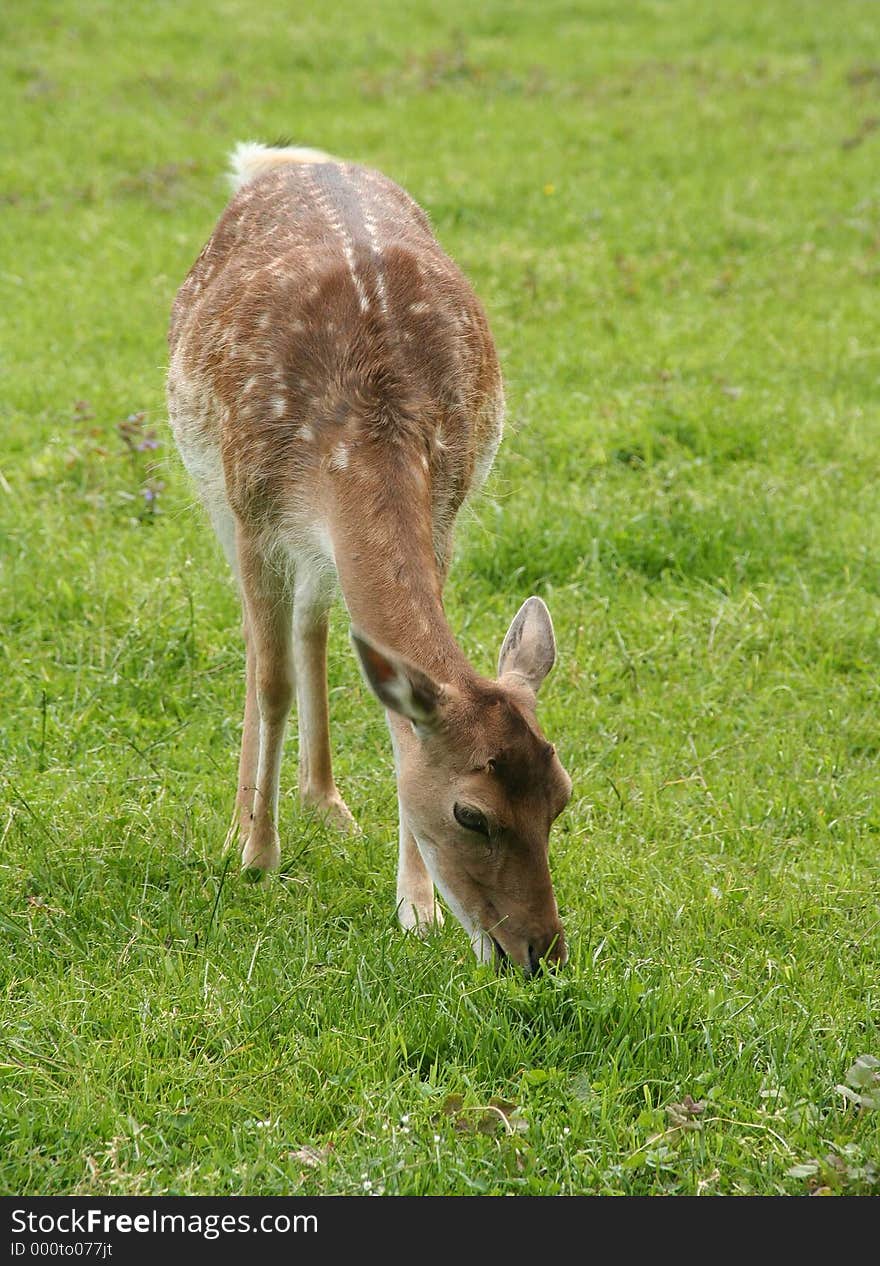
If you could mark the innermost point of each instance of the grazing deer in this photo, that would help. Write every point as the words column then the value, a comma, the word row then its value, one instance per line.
column 335, row 393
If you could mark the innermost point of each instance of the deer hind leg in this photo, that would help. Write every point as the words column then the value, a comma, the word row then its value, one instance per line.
column 250, row 738
column 267, row 596
column 317, row 788
column 223, row 521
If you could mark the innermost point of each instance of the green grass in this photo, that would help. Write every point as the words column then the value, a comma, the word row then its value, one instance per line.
column 672, row 213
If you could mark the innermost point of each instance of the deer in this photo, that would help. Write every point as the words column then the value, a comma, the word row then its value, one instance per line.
column 335, row 394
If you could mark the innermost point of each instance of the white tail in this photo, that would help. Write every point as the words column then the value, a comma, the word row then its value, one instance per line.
column 335, row 393
column 251, row 159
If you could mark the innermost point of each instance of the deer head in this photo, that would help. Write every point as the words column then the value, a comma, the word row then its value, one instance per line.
column 480, row 786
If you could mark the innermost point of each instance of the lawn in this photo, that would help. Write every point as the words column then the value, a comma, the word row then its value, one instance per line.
column 671, row 211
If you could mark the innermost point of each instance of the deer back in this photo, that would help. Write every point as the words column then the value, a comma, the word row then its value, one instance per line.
column 322, row 328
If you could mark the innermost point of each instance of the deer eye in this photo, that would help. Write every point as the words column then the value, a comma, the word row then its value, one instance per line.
column 471, row 819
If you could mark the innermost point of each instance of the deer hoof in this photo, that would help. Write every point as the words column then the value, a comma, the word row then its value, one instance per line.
column 260, row 855
column 334, row 811
column 420, row 918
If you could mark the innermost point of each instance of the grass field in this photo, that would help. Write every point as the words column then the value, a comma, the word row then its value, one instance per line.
column 672, row 213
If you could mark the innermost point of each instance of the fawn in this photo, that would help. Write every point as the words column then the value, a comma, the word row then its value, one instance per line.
column 335, row 394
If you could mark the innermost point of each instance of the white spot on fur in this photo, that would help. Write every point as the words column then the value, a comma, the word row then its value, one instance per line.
column 345, row 240
column 339, row 457
column 306, row 433
column 279, row 406
column 250, row 385
column 373, row 235
column 419, row 308
column 360, row 291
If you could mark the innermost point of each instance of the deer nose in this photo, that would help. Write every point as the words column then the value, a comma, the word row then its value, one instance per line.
column 545, row 949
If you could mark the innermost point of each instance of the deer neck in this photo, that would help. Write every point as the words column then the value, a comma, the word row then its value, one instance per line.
column 381, row 526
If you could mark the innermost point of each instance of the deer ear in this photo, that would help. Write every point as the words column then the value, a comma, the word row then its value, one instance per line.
column 399, row 685
column 529, row 649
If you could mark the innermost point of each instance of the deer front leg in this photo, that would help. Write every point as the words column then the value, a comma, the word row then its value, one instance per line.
column 316, row 785
column 417, row 910
column 269, row 614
